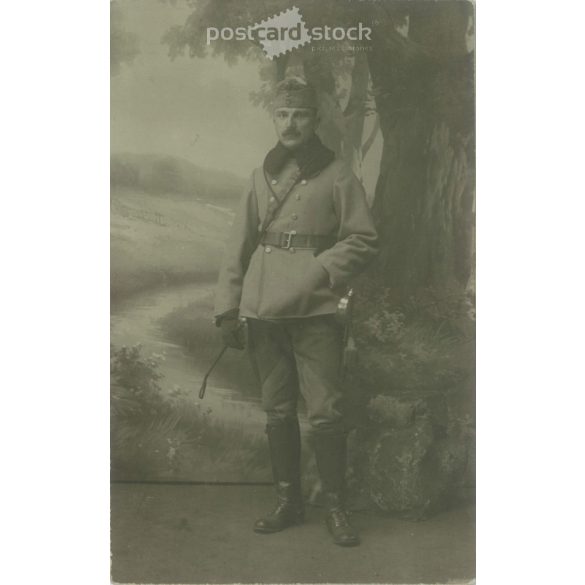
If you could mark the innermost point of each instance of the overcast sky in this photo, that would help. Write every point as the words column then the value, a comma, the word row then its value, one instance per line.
column 198, row 109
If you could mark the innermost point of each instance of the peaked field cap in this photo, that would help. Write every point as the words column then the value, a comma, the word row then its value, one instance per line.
column 294, row 92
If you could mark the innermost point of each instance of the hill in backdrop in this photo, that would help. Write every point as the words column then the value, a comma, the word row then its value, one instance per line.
column 169, row 221
column 169, row 175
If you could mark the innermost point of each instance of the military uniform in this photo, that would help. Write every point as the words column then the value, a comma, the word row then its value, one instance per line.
column 322, row 235
column 290, row 275
column 286, row 279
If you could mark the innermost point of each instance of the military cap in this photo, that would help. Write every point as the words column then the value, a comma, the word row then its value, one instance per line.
column 294, row 92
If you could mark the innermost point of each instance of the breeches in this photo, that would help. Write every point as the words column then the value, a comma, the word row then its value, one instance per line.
column 303, row 355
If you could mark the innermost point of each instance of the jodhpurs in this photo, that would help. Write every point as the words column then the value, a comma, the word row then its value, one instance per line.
column 302, row 354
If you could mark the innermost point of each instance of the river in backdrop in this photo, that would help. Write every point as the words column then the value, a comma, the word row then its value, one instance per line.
column 137, row 320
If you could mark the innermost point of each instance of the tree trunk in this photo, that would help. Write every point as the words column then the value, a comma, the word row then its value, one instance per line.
column 424, row 88
column 355, row 114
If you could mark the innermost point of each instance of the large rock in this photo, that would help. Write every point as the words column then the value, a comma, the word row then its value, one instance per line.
column 412, row 459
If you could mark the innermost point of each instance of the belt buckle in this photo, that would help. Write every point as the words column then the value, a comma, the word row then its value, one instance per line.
column 288, row 239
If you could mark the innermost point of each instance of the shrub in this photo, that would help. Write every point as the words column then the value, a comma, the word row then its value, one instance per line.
column 156, row 434
column 412, row 393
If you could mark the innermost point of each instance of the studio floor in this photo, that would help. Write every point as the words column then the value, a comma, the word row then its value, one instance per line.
column 202, row 534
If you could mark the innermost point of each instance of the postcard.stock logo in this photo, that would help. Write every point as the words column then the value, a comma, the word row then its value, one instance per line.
column 287, row 31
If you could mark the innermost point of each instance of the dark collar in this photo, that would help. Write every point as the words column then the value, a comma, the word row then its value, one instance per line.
column 312, row 158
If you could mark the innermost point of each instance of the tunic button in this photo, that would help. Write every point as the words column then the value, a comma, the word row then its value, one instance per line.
column 274, row 181
column 304, row 182
column 291, row 250
column 268, row 249
column 272, row 200
column 295, row 216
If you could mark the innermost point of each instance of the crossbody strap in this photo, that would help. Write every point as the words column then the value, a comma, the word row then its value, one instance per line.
column 271, row 211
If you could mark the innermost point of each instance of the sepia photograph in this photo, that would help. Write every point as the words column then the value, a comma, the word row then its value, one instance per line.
column 292, row 291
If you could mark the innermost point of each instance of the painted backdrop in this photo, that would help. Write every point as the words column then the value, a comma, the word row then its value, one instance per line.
column 189, row 122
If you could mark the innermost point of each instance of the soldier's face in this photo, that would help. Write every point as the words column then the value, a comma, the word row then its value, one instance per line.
column 294, row 126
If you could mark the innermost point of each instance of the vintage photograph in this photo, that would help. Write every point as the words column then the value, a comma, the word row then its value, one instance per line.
column 292, row 334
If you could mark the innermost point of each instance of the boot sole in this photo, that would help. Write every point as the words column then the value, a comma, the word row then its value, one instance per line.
column 356, row 541
column 260, row 530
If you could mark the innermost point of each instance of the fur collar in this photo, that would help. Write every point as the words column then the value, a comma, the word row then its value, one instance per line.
column 312, row 158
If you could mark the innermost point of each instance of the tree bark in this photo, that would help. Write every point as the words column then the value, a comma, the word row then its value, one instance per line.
column 424, row 88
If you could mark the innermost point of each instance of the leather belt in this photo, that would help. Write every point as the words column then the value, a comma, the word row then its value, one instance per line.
column 287, row 240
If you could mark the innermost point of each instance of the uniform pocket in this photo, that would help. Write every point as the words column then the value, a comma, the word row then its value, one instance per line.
column 293, row 284
column 319, row 273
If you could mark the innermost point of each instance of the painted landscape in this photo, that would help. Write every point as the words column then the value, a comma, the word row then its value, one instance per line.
column 188, row 126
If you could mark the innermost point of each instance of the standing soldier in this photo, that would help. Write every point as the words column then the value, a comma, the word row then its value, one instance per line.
column 302, row 231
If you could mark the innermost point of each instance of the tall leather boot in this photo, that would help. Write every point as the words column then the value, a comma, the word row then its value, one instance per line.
column 331, row 454
column 284, row 441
